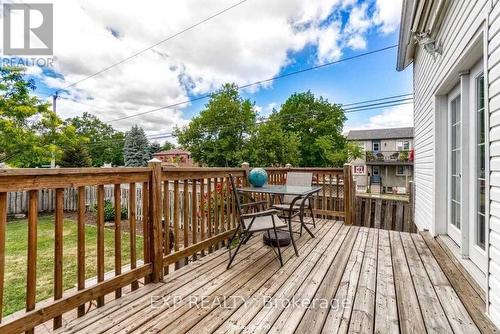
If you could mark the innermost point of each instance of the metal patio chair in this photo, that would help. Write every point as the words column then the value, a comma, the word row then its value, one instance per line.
column 251, row 222
column 285, row 206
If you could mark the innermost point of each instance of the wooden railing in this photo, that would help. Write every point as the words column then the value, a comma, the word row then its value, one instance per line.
column 385, row 212
column 186, row 213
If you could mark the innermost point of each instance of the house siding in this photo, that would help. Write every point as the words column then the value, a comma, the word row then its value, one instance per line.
column 493, row 77
column 462, row 21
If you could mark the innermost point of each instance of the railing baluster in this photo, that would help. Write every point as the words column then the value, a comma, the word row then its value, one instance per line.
column 323, row 199
column 133, row 231
column 185, row 217
column 209, row 217
column 202, row 212
column 145, row 226
column 222, row 225
column 118, row 235
column 3, row 224
column 32, row 248
column 166, row 221
column 58, row 251
column 81, row 246
column 100, row 239
column 176, row 219
column 216, row 209
column 194, row 224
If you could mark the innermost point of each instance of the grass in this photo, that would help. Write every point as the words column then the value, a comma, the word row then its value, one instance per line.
column 16, row 258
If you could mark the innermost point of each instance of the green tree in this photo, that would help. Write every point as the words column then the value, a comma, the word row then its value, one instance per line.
column 219, row 134
column 318, row 124
column 136, row 148
column 271, row 146
column 30, row 133
column 154, row 148
column 105, row 143
column 76, row 156
column 167, row 146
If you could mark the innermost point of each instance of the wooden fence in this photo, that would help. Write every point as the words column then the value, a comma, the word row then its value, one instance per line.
column 389, row 214
column 195, row 203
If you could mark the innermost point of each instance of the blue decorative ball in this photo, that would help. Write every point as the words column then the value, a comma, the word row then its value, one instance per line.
column 257, row 177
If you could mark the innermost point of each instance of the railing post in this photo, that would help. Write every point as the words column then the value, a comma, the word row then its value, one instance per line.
column 246, row 170
column 347, row 194
column 155, row 214
column 411, row 190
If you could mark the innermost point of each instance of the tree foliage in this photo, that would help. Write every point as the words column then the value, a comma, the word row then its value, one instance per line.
column 105, row 144
column 136, row 148
column 167, row 146
column 271, row 146
column 154, row 148
column 306, row 131
column 30, row 133
column 219, row 134
column 318, row 124
column 76, row 156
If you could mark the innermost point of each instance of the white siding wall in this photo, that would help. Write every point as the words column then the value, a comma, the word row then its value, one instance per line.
column 461, row 22
column 494, row 106
column 463, row 19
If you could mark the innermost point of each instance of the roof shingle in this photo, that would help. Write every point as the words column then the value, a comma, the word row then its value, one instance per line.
column 394, row 133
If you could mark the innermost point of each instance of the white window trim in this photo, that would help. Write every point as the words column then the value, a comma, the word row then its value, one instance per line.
column 401, row 143
column 406, row 170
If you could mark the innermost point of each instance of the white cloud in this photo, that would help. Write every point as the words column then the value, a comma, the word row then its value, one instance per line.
column 266, row 110
column 392, row 117
column 387, row 15
column 357, row 42
column 248, row 43
column 328, row 43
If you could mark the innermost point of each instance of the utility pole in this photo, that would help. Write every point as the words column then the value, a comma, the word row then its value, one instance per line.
column 54, row 109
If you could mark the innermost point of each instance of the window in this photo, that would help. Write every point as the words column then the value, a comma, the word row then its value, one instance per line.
column 403, row 145
column 480, row 163
column 376, row 146
column 402, row 170
column 456, row 166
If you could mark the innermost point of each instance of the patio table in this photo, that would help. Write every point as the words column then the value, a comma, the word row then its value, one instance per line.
column 299, row 193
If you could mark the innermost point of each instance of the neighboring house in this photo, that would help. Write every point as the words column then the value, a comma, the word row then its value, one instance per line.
column 387, row 162
column 455, row 50
column 176, row 157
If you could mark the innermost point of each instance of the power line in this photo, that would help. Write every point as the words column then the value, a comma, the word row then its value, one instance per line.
column 367, row 107
column 384, row 106
column 154, row 45
column 341, row 104
column 258, row 82
column 375, row 100
column 379, row 104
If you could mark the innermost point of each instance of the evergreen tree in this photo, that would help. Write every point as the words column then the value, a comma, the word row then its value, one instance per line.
column 136, row 149
column 76, row 156
column 153, row 148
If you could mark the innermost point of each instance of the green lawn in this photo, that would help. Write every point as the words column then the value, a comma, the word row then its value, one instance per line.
column 16, row 258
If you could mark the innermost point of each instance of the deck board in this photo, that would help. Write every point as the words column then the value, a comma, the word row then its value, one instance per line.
column 347, row 279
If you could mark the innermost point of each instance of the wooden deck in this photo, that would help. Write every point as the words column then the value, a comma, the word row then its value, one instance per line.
column 355, row 279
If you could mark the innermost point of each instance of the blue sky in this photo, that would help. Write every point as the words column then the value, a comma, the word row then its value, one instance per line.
column 365, row 78
column 255, row 41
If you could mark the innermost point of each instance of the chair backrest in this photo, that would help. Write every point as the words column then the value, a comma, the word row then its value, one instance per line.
column 236, row 195
column 297, row 179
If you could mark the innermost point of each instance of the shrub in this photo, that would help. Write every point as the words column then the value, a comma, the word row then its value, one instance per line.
column 109, row 211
